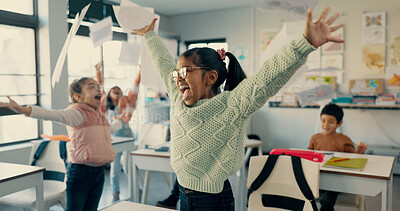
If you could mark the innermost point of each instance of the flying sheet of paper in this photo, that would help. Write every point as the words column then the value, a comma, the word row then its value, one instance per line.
column 61, row 58
column 131, row 16
column 101, row 32
column 129, row 53
column 148, row 75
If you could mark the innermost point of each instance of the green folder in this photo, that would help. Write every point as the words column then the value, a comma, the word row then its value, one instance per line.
column 348, row 163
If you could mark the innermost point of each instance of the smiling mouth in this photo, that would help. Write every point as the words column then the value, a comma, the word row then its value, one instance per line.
column 97, row 97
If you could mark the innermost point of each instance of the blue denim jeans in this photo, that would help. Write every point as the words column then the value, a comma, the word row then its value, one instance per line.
column 84, row 187
column 192, row 200
column 115, row 171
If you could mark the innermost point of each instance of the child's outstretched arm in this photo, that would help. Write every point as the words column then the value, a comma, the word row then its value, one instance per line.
column 70, row 117
column 162, row 59
column 26, row 110
column 99, row 75
column 361, row 148
column 127, row 104
column 252, row 93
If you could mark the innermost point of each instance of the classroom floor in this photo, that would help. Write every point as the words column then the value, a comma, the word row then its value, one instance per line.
column 159, row 189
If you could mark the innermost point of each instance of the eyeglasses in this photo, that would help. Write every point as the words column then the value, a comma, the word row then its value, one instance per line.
column 182, row 72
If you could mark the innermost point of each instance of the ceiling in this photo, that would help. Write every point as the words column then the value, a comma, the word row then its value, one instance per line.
column 179, row 7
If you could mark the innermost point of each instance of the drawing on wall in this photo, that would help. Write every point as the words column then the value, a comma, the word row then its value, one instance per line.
column 373, row 59
column 373, row 36
column 392, row 78
column 371, row 20
column 266, row 36
column 241, row 52
column 395, row 51
column 332, row 47
column 332, row 61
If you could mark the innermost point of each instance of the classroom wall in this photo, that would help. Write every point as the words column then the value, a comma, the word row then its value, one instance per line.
column 292, row 127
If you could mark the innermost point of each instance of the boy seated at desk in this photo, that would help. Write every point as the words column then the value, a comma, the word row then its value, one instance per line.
column 330, row 140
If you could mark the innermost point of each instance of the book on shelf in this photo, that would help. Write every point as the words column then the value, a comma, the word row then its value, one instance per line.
column 346, row 163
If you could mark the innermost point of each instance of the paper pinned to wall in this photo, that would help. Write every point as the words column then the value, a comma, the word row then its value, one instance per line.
column 61, row 58
column 131, row 16
column 275, row 45
column 101, row 32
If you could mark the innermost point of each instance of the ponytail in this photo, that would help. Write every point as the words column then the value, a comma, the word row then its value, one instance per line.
column 235, row 73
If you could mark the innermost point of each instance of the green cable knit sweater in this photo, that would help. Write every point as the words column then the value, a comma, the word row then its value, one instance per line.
column 207, row 137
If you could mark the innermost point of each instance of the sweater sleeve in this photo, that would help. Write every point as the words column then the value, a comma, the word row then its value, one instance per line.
column 70, row 117
column 163, row 61
column 253, row 93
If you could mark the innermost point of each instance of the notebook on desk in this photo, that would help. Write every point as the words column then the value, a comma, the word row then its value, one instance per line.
column 346, row 163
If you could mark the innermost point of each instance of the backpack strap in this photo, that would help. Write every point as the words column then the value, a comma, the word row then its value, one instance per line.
column 39, row 152
column 302, row 182
column 264, row 174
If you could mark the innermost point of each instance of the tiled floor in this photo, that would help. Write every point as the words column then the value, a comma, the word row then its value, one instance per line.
column 159, row 189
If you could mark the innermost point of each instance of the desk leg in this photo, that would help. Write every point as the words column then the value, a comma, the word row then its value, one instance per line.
column 39, row 194
column 145, row 186
column 130, row 176
column 260, row 152
column 134, row 186
column 387, row 195
column 242, row 188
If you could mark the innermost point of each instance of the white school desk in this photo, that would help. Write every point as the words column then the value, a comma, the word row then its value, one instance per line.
column 122, row 144
column 129, row 206
column 150, row 160
column 16, row 177
column 375, row 178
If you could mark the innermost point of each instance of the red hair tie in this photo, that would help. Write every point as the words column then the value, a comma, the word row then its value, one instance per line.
column 221, row 53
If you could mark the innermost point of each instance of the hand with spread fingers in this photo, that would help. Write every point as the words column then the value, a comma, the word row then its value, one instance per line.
column 145, row 29
column 319, row 33
column 15, row 107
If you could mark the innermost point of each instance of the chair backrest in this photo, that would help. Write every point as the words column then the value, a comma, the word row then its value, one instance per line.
column 281, row 181
column 50, row 159
column 152, row 134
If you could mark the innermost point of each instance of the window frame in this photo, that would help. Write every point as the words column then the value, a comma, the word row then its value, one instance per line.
column 32, row 22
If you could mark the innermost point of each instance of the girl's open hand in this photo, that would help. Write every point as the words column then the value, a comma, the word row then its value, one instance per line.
column 361, row 147
column 15, row 107
column 319, row 33
column 145, row 29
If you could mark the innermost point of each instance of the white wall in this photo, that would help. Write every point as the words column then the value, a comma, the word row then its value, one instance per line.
column 292, row 127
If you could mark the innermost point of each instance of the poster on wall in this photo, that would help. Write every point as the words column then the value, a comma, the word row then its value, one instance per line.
column 373, row 36
column 266, row 36
column 392, row 78
column 241, row 52
column 372, row 20
column 373, row 59
column 334, row 48
column 395, row 51
column 332, row 61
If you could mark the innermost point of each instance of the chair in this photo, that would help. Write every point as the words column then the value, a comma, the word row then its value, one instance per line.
column 281, row 181
column 54, row 191
column 152, row 135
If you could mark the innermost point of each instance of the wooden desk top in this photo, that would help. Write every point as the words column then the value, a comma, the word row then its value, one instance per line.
column 10, row 171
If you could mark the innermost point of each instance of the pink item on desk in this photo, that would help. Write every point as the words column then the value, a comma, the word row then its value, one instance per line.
column 306, row 154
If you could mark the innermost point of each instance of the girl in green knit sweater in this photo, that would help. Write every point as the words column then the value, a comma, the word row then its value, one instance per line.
column 207, row 126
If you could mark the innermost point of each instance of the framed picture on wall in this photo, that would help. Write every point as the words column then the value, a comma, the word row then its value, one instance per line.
column 332, row 61
column 334, row 48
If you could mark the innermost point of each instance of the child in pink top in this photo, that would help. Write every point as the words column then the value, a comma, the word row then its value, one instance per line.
column 90, row 147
